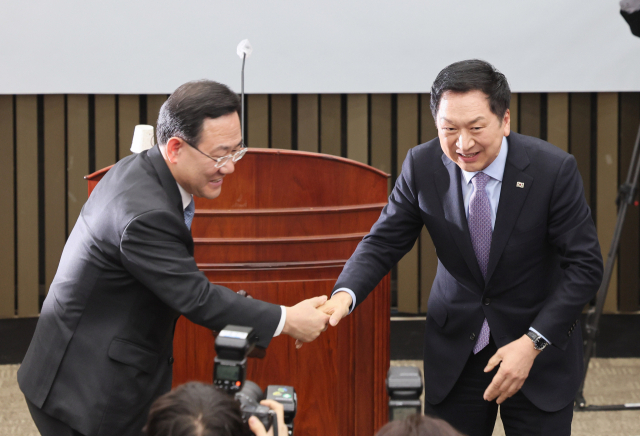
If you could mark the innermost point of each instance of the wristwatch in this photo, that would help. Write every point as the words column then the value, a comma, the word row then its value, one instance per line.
column 538, row 341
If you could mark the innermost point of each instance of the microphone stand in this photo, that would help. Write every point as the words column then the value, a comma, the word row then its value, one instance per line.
column 244, row 57
column 626, row 194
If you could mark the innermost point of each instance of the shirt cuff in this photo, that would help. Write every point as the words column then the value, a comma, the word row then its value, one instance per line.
column 283, row 318
column 539, row 334
column 350, row 292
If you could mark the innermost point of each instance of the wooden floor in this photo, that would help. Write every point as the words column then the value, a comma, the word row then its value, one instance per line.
column 610, row 381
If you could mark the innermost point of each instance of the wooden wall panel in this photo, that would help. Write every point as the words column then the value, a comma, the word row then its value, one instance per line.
column 281, row 121
column 572, row 121
column 331, row 124
column 128, row 119
column 357, row 127
column 77, row 155
column 7, row 222
column 55, row 216
column 154, row 103
column 530, row 114
column 408, row 285
column 558, row 119
column 514, row 112
column 428, row 257
column 27, row 203
column 105, row 128
column 580, row 137
column 607, row 179
column 629, row 254
column 308, row 122
column 257, row 121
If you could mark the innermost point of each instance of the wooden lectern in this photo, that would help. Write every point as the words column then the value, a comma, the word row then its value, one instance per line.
column 282, row 229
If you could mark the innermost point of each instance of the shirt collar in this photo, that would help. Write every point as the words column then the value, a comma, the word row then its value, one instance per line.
column 496, row 169
column 186, row 197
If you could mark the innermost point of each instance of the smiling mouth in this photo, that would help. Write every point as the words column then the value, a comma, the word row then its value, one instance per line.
column 468, row 155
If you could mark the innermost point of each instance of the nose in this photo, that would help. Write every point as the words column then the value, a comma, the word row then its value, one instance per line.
column 228, row 167
column 465, row 141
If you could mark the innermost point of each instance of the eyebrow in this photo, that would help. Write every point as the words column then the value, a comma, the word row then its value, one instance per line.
column 475, row 120
column 228, row 147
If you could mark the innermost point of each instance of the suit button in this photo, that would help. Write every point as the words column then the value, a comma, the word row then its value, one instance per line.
column 486, row 301
column 171, row 360
column 473, row 336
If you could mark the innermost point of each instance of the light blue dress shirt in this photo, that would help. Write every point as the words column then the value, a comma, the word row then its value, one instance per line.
column 495, row 170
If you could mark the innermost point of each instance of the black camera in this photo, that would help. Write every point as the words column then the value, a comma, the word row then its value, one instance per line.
column 233, row 345
column 404, row 386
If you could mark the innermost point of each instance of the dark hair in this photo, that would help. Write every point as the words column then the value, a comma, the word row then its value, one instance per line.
column 418, row 425
column 186, row 109
column 472, row 75
column 194, row 409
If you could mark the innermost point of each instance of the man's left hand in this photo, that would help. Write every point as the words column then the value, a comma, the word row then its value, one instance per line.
column 515, row 361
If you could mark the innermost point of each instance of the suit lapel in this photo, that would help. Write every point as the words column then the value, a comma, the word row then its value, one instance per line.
column 448, row 184
column 515, row 188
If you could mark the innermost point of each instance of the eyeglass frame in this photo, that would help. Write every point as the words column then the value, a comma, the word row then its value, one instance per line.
column 222, row 160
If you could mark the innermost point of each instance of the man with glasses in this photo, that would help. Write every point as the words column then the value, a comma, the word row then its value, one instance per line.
column 102, row 350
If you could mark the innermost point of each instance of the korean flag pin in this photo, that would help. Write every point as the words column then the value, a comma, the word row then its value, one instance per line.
column 520, row 184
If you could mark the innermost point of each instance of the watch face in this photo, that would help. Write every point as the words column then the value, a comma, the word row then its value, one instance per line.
column 540, row 344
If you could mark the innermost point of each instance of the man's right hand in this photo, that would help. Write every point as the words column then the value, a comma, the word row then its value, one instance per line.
column 304, row 321
column 338, row 307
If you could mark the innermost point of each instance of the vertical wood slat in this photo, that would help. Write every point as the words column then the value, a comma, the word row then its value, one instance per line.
column 77, row 155
column 7, row 222
column 514, row 112
column 128, row 119
column 330, row 124
column 629, row 254
column 54, row 184
column 607, row 180
column 558, row 119
column 530, row 114
column 105, row 128
column 257, row 121
column 308, row 122
column 154, row 103
column 408, row 286
column 428, row 257
column 357, row 127
column 381, row 132
column 580, row 134
column 27, row 204
column 281, row 121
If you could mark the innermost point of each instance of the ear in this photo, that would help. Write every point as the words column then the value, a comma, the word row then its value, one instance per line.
column 173, row 149
column 506, row 123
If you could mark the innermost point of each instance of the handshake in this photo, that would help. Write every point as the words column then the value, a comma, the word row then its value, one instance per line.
column 307, row 319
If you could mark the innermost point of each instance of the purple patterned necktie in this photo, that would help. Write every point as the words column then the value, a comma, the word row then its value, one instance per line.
column 480, row 229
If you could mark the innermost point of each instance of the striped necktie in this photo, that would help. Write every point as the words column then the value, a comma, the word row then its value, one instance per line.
column 189, row 211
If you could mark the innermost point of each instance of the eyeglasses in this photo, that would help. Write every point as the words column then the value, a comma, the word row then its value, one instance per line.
column 222, row 161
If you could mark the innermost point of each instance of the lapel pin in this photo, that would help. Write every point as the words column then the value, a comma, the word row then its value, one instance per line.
column 520, row 184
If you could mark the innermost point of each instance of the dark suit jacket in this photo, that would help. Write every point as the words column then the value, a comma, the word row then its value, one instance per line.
column 544, row 266
column 102, row 350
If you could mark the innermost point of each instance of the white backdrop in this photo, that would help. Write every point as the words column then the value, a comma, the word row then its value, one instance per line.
column 311, row 46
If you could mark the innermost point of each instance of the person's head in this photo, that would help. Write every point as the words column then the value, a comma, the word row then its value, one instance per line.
column 198, row 121
column 194, row 409
column 470, row 105
column 418, row 425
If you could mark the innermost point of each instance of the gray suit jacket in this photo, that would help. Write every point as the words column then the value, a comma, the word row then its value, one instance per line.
column 102, row 350
column 544, row 265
